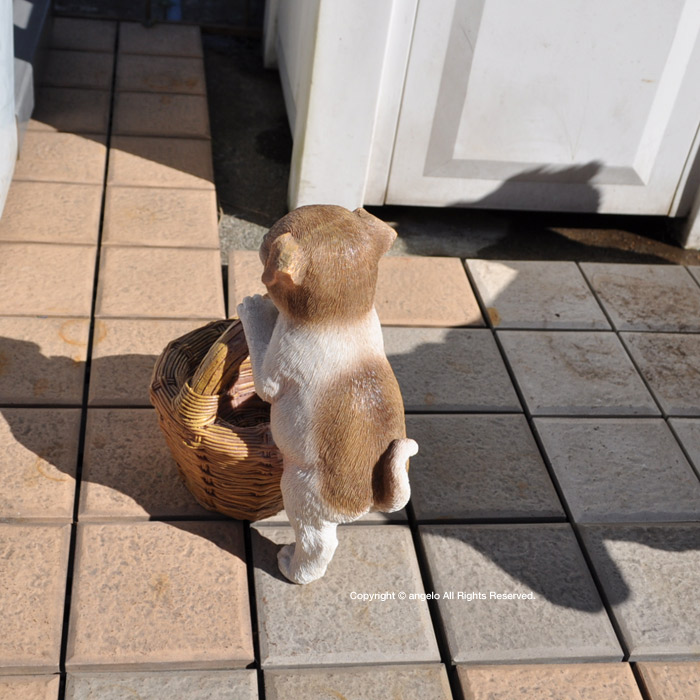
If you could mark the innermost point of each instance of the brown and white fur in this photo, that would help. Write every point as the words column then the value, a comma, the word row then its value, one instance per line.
column 318, row 358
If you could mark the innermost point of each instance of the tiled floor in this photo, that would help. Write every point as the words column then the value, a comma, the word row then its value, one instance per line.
column 552, row 545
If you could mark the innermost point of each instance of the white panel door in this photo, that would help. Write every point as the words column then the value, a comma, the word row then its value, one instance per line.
column 574, row 105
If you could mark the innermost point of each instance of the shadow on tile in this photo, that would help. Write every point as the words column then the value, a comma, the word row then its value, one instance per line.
column 418, row 359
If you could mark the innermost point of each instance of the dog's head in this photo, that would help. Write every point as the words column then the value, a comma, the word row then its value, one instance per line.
column 320, row 262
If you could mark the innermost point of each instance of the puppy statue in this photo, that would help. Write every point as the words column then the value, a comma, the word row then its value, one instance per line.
column 317, row 355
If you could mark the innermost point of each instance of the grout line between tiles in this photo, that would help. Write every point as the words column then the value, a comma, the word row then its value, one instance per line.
column 560, row 494
column 84, row 404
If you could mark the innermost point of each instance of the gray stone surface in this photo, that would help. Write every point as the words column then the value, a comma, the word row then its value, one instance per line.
column 577, row 372
column 531, row 294
column 646, row 297
column 153, row 596
column 478, row 466
column 670, row 363
column 128, row 470
column 620, row 470
column 688, row 432
column 171, row 685
column 321, row 624
column 650, row 576
column 565, row 620
column 442, row 369
column 32, row 595
column 423, row 682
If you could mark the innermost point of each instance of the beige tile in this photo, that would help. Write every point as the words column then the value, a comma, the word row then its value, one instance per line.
column 32, row 592
column 154, row 595
column 160, row 283
column 423, row 291
column 244, row 277
column 38, row 463
column 155, row 216
column 160, row 39
column 55, row 212
column 128, row 471
column 160, row 162
column 152, row 114
column 78, row 69
column 679, row 680
column 83, row 34
column 57, row 157
column 171, row 74
column 29, row 687
column 600, row 681
column 124, row 352
column 72, row 110
column 46, row 279
column 42, row 360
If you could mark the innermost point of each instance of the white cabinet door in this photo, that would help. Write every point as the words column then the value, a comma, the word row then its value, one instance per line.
column 574, row 105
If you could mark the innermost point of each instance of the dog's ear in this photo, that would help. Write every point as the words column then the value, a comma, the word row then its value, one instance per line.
column 286, row 262
column 381, row 232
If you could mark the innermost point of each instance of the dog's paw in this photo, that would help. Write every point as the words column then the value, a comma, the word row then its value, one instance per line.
column 284, row 561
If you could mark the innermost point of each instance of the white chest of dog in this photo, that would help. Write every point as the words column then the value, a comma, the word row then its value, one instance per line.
column 318, row 358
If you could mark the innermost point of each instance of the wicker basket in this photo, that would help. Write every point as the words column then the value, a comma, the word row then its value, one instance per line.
column 215, row 424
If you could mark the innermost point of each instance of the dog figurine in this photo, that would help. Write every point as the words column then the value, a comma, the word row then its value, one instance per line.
column 317, row 355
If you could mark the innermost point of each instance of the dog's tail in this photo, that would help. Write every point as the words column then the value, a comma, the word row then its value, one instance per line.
column 390, row 487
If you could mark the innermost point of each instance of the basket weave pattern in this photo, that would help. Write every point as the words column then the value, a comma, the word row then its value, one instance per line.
column 216, row 426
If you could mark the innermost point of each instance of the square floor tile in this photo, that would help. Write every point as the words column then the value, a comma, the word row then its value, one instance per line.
column 153, row 595
column 124, row 352
column 29, row 687
column 673, row 680
column 646, row 297
column 72, row 110
column 160, row 283
column 160, row 114
column 38, row 463
column 548, row 681
column 159, row 162
column 371, row 518
column 171, row 74
column 244, row 277
column 560, row 619
column 322, row 624
column 530, row 294
column 83, row 34
column 51, row 212
column 155, row 216
column 368, row 683
column 449, row 370
column 42, row 360
column 183, row 685
column 160, row 39
column 54, row 157
column 32, row 595
column 577, row 372
column 424, row 291
column 650, row 575
column 128, row 470
column 620, row 470
column 688, row 432
column 46, row 279
column 478, row 466
column 670, row 363
column 79, row 69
